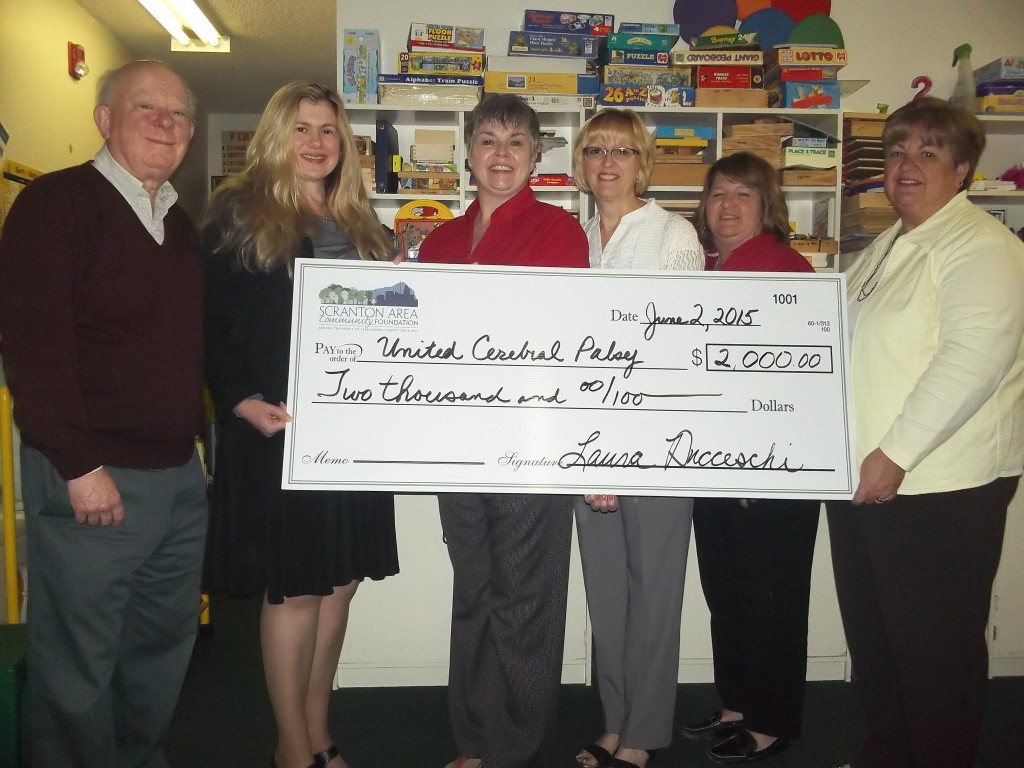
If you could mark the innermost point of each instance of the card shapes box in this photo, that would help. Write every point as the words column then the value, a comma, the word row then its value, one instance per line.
column 531, row 43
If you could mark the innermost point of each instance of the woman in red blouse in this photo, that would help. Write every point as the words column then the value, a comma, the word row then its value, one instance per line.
column 754, row 555
column 509, row 552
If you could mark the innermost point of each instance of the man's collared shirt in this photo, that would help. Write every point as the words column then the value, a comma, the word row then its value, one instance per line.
column 150, row 212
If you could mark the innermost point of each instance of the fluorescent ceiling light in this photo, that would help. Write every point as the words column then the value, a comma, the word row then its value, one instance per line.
column 189, row 13
column 175, row 15
column 167, row 20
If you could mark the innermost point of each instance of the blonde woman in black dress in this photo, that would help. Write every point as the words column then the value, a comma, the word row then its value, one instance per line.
column 306, row 551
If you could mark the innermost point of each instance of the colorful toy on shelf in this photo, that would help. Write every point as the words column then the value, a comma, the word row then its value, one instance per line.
column 1015, row 174
column 414, row 221
column 963, row 91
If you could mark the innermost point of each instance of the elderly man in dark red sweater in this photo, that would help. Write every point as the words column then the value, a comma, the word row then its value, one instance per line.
column 101, row 319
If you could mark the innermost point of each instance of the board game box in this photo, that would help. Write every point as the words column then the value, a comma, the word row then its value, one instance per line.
column 667, row 77
column 723, row 56
column 1006, row 68
column 715, row 76
column 638, row 58
column 618, row 95
column 568, row 21
column 823, row 95
column 805, row 55
column 440, row 62
column 648, row 28
column 527, row 43
column 539, row 82
column 425, row 36
column 618, row 41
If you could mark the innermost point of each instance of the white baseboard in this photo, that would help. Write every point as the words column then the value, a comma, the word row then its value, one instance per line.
column 573, row 673
column 1006, row 666
column 820, row 668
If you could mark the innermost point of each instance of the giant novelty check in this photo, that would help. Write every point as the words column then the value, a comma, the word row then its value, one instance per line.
column 424, row 378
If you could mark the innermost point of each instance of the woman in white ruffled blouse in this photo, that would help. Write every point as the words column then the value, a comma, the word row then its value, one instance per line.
column 633, row 548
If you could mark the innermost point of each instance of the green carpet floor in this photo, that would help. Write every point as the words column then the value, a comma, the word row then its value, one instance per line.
column 225, row 721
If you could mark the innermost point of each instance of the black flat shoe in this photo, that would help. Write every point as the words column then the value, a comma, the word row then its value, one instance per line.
column 711, row 727
column 741, row 748
column 602, row 757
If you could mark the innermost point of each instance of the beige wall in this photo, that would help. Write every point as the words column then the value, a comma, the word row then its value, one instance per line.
column 891, row 43
column 49, row 115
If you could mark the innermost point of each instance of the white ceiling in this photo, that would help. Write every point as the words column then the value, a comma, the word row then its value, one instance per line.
column 272, row 42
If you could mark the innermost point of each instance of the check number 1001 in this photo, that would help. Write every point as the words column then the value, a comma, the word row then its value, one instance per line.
column 765, row 358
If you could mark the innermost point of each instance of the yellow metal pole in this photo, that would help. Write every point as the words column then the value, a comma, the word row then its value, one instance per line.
column 7, row 480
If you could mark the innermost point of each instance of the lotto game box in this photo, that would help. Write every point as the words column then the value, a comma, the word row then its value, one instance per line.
column 805, row 55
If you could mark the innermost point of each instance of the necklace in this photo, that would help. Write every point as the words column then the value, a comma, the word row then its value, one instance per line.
column 867, row 288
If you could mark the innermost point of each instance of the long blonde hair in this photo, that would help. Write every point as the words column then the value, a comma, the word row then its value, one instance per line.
column 262, row 212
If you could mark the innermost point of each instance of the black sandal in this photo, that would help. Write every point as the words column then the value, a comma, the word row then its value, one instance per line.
column 321, row 759
column 273, row 763
column 601, row 755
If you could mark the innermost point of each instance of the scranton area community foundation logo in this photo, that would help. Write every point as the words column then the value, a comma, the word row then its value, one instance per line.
column 394, row 306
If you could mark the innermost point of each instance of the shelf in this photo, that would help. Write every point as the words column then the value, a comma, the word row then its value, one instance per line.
column 690, row 188
column 411, row 108
column 1015, row 195
column 1002, row 124
column 808, row 190
column 471, row 188
column 412, row 195
column 730, row 111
